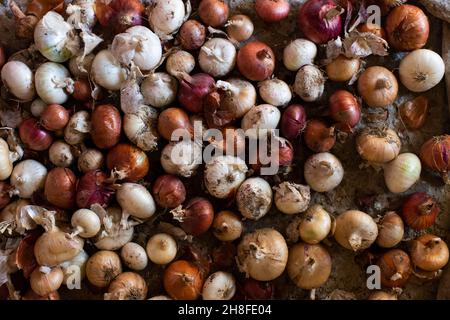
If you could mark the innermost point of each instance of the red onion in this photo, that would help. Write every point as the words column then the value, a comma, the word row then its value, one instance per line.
column 169, row 191
column 193, row 89
column 192, row 35
column 54, row 117
column 345, row 109
column 93, row 188
column 119, row 14
column 257, row 290
column 60, row 187
column 420, row 210
column 318, row 136
column 272, row 10
column 256, row 61
column 320, row 20
column 435, row 154
column 197, row 216
column 4, row 194
column 293, row 121
column 213, row 13
column 33, row 136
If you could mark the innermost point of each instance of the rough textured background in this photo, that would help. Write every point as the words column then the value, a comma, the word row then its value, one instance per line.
column 359, row 179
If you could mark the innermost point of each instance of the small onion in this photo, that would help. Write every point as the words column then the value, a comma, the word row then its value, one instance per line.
column 345, row 109
column 196, row 217
column 319, row 137
column 239, row 96
column 315, row 225
column 256, row 61
column 355, row 230
column 82, row 90
column 390, row 230
column 134, row 256
column 323, row 172
column 219, row 286
column 435, row 155
column 420, row 210
column 272, row 10
column 275, row 92
column 293, row 121
column 342, row 68
column 128, row 162
column 217, row 57
column 159, row 89
column 103, row 267
column 213, row 13
column 378, row 145
column 92, row 189
column 240, row 27
column 18, row 78
column 107, row 71
column 127, row 286
column 53, row 83
column 292, row 198
column 171, row 121
column 374, row 28
column 169, row 191
column 414, row 113
column 60, row 187
column 262, row 254
column 45, row 283
column 254, row 198
column 299, row 53
column 309, row 83
column 429, row 252
column 140, row 128
column 117, row 231
column 86, row 223
column 260, row 120
column 161, row 248
column 192, row 35
column 232, row 142
column 6, row 163
column 27, row 177
column 180, row 61
column 54, row 117
column 181, row 158
column 106, row 125
column 402, row 173
column 166, row 17
column 193, row 90
column 33, row 136
column 227, row 226
column 119, row 14
column 309, row 265
column 135, row 200
column 378, row 87
column 395, row 266
column 183, row 280
column 37, row 107
column 90, row 159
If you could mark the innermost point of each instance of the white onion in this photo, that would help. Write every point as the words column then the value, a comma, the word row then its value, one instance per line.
column 82, row 14
column 161, row 248
column 323, row 172
column 37, row 107
column 180, row 61
column 421, row 70
column 27, row 177
column 254, row 198
column 298, row 53
column 260, row 121
column 309, row 83
column 90, row 159
column 355, row 230
column 134, row 256
column 217, row 57
column 292, row 198
column 78, row 128
column 223, row 175
column 141, row 128
column 55, row 38
column 139, row 45
column 181, row 158
column 219, row 286
column 240, row 98
column 107, row 71
column 135, row 200
column 275, row 92
column 19, row 80
column 166, row 17
column 86, row 223
column 53, row 83
column 60, row 154
column 6, row 163
column 402, row 173
column 159, row 89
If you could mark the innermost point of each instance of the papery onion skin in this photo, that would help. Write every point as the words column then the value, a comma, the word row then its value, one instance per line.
column 373, row 28
column 60, row 187
column 183, row 280
column 128, row 161
column 378, row 145
column 414, row 113
column 172, row 119
column 407, row 28
column 240, row 27
column 193, row 90
column 402, row 173
column 127, row 286
column 345, row 109
column 318, row 136
column 420, row 210
column 119, row 14
column 196, row 217
column 309, row 83
column 342, row 68
column 106, row 125
column 378, row 86
column 435, row 154
column 169, row 191
column 429, row 252
column 34, row 137
column 320, row 20
column 92, row 188
column 192, row 35
column 254, row 198
column 390, row 230
column 395, row 268
column 293, row 121
column 54, row 117
column 257, row 290
column 213, row 13
column 272, row 10
column 256, row 61
column 355, row 230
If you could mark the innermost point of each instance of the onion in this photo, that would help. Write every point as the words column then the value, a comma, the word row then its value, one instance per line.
column 173, row 122
column 82, row 90
column 33, row 136
column 93, row 188
column 299, row 53
column 293, row 121
column 161, row 248
column 90, row 159
column 140, row 128
column 219, row 286
column 134, row 256
column 355, row 230
column 183, row 280
column 231, row 143
column 6, row 160
column 169, row 191
column 135, row 200
column 343, row 69
column 193, row 90
column 390, row 230
column 272, row 10
column 414, row 113
column 275, row 92
column 166, row 17
column 2, row 57
column 254, row 198
column 421, row 70
column 213, row 13
column 127, row 162
column 181, row 158
column 238, row 98
column 80, row 69
column 292, row 198
column 106, row 125
column 45, row 283
column 429, row 252
column 27, row 177
column 345, row 109
column 262, row 254
column 240, row 27
column 159, row 89
column 318, row 136
column 60, row 187
column 257, row 290
column 378, row 87
column 402, row 173
column 18, row 78
column 116, row 230
column 260, row 120
column 420, row 210
column 197, row 216
column 192, row 35
column 78, row 128
column 395, row 267
column 180, row 61
column 107, row 71
column 103, row 267
column 256, row 61
column 309, row 265
column 227, row 226
column 54, row 117
column 378, row 145
column 381, row 295
column 320, row 20
column 323, row 172
column 37, row 107
column 217, row 57
column 315, row 225
column 119, row 14
column 223, row 175
column 53, row 83
column 127, row 286
column 309, row 83
column 435, row 155
column 86, row 223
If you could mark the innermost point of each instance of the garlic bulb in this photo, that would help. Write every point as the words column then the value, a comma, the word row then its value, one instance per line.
column 165, row 17
column 309, row 83
column 298, row 53
column 181, row 158
column 217, row 57
column 292, row 198
column 223, row 175
column 159, row 89
column 107, row 71
column 27, row 177
column 18, row 79
column 55, row 38
column 260, row 121
column 53, row 83
column 141, row 128
column 275, row 92
column 254, row 198
column 421, row 70
column 138, row 45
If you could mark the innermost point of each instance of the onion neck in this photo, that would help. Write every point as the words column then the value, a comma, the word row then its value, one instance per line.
column 327, row 168
column 229, row 87
column 426, row 208
column 263, row 55
column 383, row 83
column 333, row 12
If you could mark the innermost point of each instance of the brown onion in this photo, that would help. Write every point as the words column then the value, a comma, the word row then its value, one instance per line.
column 54, row 117
column 293, row 121
column 378, row 145
column 172, row 119
column 420, row 210
column 227, row 226
column 196, row 217
column 429, row 252
column 372, row 28
column 435, row 154
column 395, row 267
column 272, row 10
column 345, row 109
column 102, row 267
column 390, row 230
column 342, row 68
column 169, row 191
column 319, row 137
column 214, row 13
column 81, row 90
column 240, row 27
column 256, row 61
column 44, row 284
column 414, row 113
column 33, row 136
column 127, row 286
column 93, row 188
column 128, row 162
column 106, row 124
column 192, row 35
column 183, row 280
column 407, row 28
column 119, row 15
column 378, row 87
column 60, row 187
